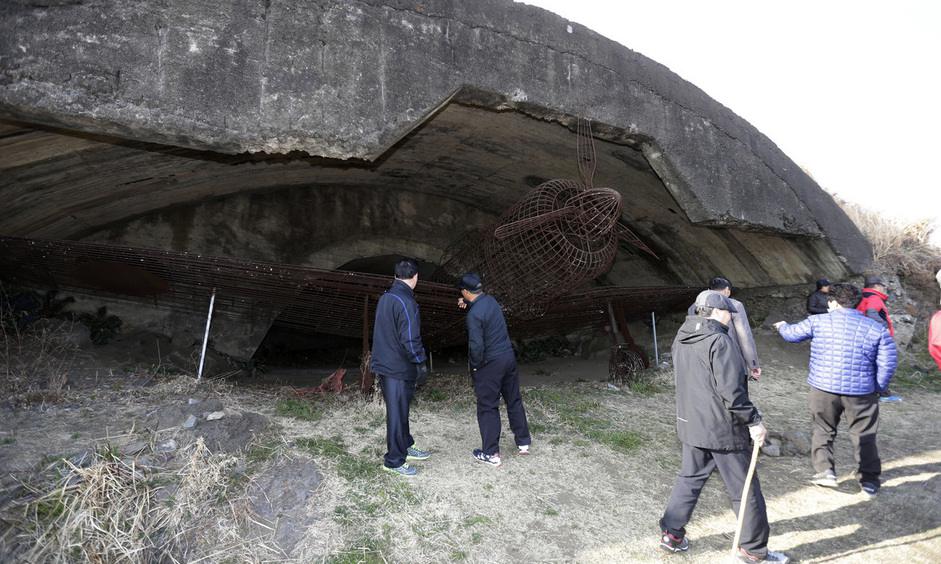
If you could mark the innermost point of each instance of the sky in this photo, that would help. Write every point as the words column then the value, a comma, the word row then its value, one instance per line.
column 849, row 90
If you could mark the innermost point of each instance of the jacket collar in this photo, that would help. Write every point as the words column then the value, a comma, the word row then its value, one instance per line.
column 401, row 286
column 874, row 292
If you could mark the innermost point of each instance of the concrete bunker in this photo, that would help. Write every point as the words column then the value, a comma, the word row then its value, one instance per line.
column 447, row 117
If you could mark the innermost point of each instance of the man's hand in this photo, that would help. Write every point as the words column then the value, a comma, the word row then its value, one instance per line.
column 422, row 377
column 755, row 373
column 779, row 324
column 461, row 303
column 758, row 433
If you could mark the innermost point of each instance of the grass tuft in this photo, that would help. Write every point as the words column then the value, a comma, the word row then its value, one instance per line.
column 298, row 409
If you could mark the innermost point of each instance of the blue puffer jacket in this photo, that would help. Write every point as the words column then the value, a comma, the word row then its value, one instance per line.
column 850, row 354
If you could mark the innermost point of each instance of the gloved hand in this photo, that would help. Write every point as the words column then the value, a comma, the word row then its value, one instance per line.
column 422, row 374
column 758, row 433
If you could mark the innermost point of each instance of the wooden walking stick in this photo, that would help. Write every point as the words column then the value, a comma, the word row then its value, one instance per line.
column 742, row 503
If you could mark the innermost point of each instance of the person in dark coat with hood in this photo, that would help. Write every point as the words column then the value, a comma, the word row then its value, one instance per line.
column 398, row 360
column 716, row 422
column 818, row 302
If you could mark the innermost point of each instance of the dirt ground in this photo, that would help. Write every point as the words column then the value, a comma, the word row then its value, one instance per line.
column 603, row 462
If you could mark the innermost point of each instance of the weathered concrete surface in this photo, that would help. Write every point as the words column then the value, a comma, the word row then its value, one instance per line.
column 346, row 80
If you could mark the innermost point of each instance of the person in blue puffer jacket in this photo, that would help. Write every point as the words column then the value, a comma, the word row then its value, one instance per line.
column 852, row 359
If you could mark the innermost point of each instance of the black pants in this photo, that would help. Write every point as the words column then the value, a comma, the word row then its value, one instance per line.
column 697, row 466
column 499, row 377
column 862, row 415
column 397, row 395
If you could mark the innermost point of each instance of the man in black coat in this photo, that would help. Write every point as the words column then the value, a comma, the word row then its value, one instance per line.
column 818, row 302
column 398, row 359
column 715, row 421
column 493, row 369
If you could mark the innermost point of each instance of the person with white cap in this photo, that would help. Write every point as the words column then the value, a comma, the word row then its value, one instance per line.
column 739, row 327
column 716, row 422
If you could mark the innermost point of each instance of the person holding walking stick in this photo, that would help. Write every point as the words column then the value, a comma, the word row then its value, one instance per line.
column 715, row 422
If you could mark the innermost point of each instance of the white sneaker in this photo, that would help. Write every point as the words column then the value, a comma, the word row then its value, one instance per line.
column 523, row 449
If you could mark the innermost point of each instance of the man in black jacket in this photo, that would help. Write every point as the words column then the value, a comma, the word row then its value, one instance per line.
column 398, row 359
column 817, row 302
column 715, row 421
column 493, row 369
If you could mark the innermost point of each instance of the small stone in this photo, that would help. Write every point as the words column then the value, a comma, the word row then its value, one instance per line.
column 190, row 422
column 215, row 415
column 167, row 446
column 771, row 450
column 192, row 401
column 133, row 448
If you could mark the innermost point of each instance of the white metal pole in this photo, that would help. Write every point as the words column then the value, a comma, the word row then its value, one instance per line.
column 656, row 352
column 202, row 356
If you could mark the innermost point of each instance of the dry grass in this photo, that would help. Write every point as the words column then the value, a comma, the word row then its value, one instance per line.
column 110, row 509
column 902, row 247
column 35, row 362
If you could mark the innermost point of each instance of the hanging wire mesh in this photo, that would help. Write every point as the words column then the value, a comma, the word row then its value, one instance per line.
column 560, row 236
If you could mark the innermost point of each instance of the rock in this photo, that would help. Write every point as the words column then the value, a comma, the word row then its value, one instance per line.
column 190, row 422
column 134, row 447
column 771, row 449
column 798, row 442
column 192, row 401
column 280, row 496
column 166, row 446
column 215, row 415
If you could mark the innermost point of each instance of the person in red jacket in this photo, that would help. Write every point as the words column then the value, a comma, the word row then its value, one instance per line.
column 934, row 333
column 873, row 303
column 873, row 306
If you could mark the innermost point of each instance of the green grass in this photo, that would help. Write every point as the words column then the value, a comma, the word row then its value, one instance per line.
column 260, row 452
column 433, row 395
column 644, row 387
column 364, row 551
column 299, row 409
column 916, row 372
column 587, row 417
column 477, row 520
column 348, row 466
column 7, row 441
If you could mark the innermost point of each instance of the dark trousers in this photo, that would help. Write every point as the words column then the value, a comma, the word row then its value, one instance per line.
column 697, row 466
column 499, row 377
column 397, row 395
column 862, row 415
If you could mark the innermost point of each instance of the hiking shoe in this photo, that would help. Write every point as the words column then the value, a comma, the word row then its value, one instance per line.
column 523, row 449
column 417, row 454
column 772, row 556
column 826, row 479
column 491, row 459
column 869, row 488
column 671, row 543
column 403, row 470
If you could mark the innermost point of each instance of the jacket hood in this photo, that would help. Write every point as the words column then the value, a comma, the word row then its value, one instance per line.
column 697, row 328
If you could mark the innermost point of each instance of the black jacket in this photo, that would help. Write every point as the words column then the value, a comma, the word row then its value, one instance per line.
column 396, row 334
column 817, row 303
column 712, row 405
column 487, row 337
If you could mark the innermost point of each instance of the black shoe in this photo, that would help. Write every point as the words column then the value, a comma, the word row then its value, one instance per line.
column 869, row 488
column 674, row 544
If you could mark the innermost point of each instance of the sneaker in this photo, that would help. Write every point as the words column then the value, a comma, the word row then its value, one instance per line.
column 403, row 470
column 826, row 479
column 670, row 543
column 771, row 556
column 523, row 449
column 491, row 459
column 869, row 488
column 417, row 454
